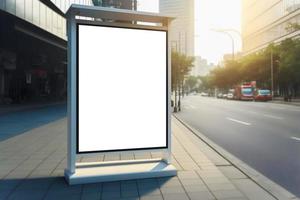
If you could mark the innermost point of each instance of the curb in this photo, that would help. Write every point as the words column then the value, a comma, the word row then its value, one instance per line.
column 286, row 103
column 265, row 183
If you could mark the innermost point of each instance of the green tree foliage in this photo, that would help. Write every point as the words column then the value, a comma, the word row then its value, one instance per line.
column 206, row 83
column 289, row 66
column 191, row 83
column 181, row 66
column 227, row 76
column 257, row 67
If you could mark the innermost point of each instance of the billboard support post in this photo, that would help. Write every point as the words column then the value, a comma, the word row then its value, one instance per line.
column 111, row 19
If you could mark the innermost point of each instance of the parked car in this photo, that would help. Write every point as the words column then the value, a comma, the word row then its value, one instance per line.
column 204, row 94
column 230, row 96
column 224, row 96
column 263, row 95
column 220, row 95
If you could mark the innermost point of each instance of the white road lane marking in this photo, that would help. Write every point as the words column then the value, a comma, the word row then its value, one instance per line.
column 273, row 117
column 238, row 121
column 295, row 138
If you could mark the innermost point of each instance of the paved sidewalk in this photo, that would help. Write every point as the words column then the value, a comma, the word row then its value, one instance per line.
column 280, row 100
column 32, row 164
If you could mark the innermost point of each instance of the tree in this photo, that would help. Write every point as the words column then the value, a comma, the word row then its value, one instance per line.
column 181, row 65
column 257, row 67
column 289, row 66
column 191, row 83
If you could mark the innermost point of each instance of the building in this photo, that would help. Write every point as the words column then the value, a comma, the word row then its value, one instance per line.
column 201, row 67
column 264, row 22
column 33, row 48
column 182, row 31
column 122, row 4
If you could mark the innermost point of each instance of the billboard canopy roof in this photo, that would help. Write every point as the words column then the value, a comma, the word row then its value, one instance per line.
column 116, row 14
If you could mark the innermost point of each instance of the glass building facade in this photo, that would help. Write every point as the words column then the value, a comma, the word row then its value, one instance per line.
column 266, row 21
column 33, row 50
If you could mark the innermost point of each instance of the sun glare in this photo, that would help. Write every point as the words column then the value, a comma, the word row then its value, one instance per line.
column 216, row 14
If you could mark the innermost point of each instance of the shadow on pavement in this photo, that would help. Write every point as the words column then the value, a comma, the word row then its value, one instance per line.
column 57, row 188
column 15, row 123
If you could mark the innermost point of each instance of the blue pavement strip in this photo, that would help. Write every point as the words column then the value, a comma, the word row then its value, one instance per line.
column 15, row 123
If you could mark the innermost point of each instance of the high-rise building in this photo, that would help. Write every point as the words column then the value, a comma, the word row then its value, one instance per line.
column 182, row 30
column 201, row 67
column 264, row 22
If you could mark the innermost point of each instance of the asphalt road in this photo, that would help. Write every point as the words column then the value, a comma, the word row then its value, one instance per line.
column 266, row 136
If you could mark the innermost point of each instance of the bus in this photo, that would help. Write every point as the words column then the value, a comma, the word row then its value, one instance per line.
column 244, row 92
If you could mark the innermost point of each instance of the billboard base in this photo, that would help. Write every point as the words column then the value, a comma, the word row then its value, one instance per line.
column 92, row 172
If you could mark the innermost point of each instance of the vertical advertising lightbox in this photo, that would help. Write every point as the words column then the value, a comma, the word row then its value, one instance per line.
column 122, row 89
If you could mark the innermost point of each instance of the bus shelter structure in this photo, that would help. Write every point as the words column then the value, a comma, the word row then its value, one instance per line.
column 86, row 136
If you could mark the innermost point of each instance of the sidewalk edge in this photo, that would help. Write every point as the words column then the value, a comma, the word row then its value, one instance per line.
column 265, row 183
column 286, row 103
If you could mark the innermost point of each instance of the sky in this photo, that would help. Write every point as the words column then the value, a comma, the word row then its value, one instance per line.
column 209, row 15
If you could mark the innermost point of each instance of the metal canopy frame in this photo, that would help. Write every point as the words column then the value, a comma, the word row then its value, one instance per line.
column 78, row 14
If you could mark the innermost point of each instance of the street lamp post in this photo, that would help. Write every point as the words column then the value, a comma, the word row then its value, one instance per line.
column 230, row 36
column 272, row 75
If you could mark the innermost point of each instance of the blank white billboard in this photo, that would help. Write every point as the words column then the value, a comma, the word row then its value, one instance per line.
column 122, row 89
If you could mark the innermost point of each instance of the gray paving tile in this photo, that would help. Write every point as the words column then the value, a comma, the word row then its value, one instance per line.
column 191, row 182
column 203, row 195
column 172, row 190
column 187, row 175
column 154, row 197
column 169, row 182
column 129, row 193
column 215, row 180
column 220, row 186
column 35, row 184
column 145, row 184
column 176, row 197
column 4, row 193
column 9, row 183
column 91, row 196
column 196, row 188
column 62, row 196
column 111, row 187
column 94, row 188
column 32, row 194
column 149, row 192
column 231, row 172
column 129, row 185
column 110, row 195
column 228, row 194
column 251, row 190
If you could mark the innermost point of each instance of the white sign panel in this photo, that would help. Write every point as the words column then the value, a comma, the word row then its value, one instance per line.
column 122, row 92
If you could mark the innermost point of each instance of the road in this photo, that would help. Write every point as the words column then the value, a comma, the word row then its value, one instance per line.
column 266, row 136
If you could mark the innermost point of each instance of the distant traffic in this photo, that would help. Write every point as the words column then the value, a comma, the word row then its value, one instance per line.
column 245, row 91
